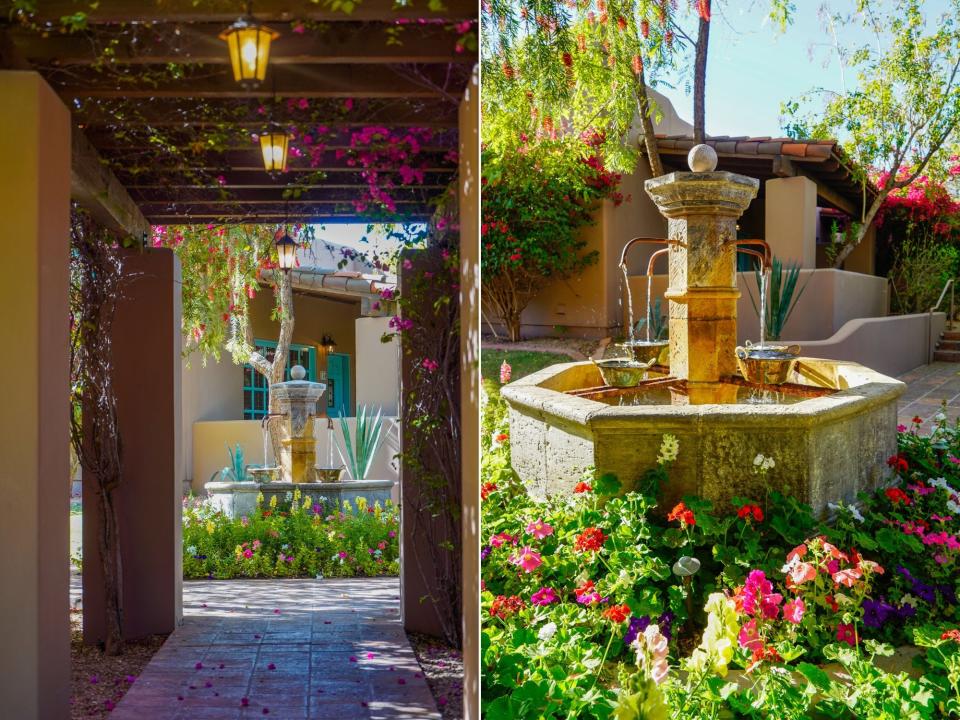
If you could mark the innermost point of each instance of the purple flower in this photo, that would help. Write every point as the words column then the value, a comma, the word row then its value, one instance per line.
column 876, row 612
column 637, row 626
column 485, row 552
column 665, row 622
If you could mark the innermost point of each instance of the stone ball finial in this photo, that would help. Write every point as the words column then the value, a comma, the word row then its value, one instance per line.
column 297, row 372
column 702, row 158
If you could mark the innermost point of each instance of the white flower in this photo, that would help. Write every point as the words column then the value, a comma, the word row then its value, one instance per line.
column 953, row 507
column 669, row 449
column 192, row 550
column 763, row 463
column 855, row 511
column 768, row 463
column 940, row 417
column 547, row 631
column 758, row 460
column 910, row 600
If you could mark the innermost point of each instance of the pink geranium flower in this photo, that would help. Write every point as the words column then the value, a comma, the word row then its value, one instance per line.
column 847, row 577
column 793, row 611
column 845, row 633
column 544, row 596
column 539, row 529
column 527, row 559
column 749, row 636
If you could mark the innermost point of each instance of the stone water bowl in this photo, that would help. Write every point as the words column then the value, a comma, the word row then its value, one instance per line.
column 330, row 474
column 620, row 372
column 650, row 352
column 264, row 474
column 767, row 365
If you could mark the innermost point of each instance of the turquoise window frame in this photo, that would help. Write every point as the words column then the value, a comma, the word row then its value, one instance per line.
column 256, row 393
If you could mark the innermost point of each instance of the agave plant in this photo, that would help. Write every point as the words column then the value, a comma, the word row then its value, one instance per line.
column 659, row 325
column 782, row 298
column 237, row 469
column 357, row 453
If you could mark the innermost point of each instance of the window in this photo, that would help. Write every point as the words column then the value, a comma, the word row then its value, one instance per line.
column 256, row 393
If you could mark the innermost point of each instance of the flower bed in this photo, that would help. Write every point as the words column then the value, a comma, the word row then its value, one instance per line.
column 602, row 605
column 299, row 538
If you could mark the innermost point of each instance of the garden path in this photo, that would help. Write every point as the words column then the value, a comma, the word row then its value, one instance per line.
column 292, row 648
column 928, row 386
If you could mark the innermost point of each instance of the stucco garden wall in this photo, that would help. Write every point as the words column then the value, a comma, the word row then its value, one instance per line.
column 378, row 365
column 211, row 439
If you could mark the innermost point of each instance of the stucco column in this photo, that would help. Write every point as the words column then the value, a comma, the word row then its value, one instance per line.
column 790, row 221
column 147, row 369
column 34, row 435
column 702, row 210
column 470, row 389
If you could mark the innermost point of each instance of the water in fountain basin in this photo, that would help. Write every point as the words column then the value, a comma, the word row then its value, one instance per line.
column 626, row 281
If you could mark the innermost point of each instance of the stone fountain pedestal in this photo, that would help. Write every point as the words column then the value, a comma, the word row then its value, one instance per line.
column 240, row 499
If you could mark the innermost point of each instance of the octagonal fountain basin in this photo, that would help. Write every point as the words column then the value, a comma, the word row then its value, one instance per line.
column 830, row 429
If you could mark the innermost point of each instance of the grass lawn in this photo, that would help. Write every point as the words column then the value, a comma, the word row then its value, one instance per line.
column 522, row 363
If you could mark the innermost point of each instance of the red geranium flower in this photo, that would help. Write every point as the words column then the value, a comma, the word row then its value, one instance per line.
column 898, row 463
column 682, row 513
column 897, row 496
column 503, row 606
column 617, row 613
column 590, row 540
column 750, row 511
column 582, row 487
column 486, row 489
column 951, row 635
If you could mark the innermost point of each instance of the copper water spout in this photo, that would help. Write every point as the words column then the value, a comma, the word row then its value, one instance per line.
column 756, row 254
column 766, row 259
column 653, row 258
column 649, row 241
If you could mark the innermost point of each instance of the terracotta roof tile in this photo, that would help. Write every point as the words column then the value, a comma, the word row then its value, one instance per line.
column 745, row 145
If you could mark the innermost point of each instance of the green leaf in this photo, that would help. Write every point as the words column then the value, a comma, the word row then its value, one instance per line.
column 817, row 677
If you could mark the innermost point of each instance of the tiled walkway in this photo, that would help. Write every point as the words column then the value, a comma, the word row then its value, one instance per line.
column 927, row 387
column 284, row 649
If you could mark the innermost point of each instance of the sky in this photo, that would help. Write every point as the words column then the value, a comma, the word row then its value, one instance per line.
column 752, row 67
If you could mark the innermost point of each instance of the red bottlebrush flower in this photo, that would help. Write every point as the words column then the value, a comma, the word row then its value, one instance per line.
column 897, row 496
column 703, row 9
column 508, row 71
column 582, row 487
column 486, row 489
column 568, row 60
column 621, row 23
column 581, row 43
column 750, row 512
column 590, row 540
column 602, row 5
column 645, row 28
column 682, row 513
column 637, row 64
column 898, row 463
column 617, row 613
column 503, row 606
column 668, row 38
column 951, row 635
column 548, row 124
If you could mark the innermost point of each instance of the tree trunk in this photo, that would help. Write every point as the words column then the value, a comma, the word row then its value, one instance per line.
column 700, row 76
column 861, row 232
column 649, row 135
column 112, row 568
column 513, row 326
column 281, row 357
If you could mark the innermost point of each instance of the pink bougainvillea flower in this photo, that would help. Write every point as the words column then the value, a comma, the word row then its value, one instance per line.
column 353, row 658
column 271, row 666
column 846, row 633
column 793, row 611
column 370, row 656
column 544, row 596
column 539, row 529
column 430, row 365
column 527, row 559
column 198, row 666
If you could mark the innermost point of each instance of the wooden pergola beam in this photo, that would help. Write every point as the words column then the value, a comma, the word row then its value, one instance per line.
column 328, row 81
column 318, row 193
column 354, row 43
column 259, row 179
column 226, row 11
column 97, row 189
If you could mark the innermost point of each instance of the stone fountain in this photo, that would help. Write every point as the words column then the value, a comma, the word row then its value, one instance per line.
column 829, row 425
column 296, row 403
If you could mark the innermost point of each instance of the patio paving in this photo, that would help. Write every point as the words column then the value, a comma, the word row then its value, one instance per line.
column 293, row 648
column 928, row 386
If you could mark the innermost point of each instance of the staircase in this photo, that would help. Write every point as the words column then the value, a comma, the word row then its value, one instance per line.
column 948, row 348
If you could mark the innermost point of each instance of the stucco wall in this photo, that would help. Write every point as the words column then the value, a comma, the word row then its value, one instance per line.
column 378, row 365
column 211, row 392
column 830, row 299
column 314, row 317
column 211, row 439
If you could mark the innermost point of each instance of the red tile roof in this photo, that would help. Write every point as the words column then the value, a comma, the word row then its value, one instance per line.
column 813, row 150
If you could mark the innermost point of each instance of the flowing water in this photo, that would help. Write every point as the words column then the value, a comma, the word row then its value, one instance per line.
column 266, row 443
column 626, row 280
column 763, row 306
column 649, row 305
column 329, row 443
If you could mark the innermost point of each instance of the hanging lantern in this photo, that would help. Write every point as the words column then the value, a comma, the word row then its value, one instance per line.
column 249, row 45
column 287, row 252
column 274, row 142
column 328, row 343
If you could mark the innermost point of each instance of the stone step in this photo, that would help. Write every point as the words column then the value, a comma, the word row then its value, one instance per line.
column 947, row 356
column 951, row 335
column 948, row 345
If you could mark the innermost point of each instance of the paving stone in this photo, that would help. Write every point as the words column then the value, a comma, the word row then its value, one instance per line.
column 309, row 630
